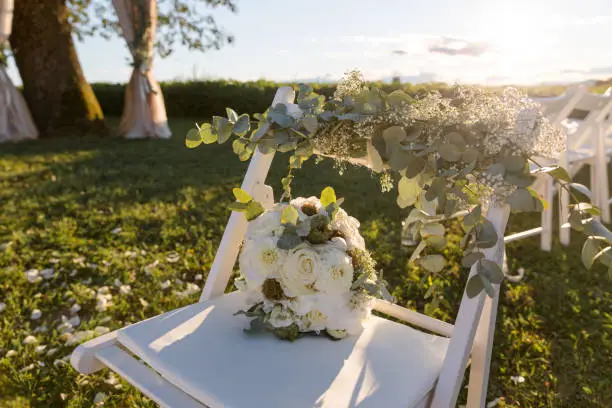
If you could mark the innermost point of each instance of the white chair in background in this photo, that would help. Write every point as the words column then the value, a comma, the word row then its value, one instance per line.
column 198, row 355
column 584, row 138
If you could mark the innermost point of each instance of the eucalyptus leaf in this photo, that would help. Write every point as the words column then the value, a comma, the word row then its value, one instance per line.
column 261, row 130
column 473, row 217
column 393, row 136
column 456, row 139
column 238, row 207
column 231, row 115
column 497, row 169
column 433, row 263
column 514, row 164
column 491, row 270
column 242, row 125
column 241, row 195
column 239, row 146
column 193, row 138
column 289, row 215
column 207, row 134
column 223, row 129
column 521, row 200
column 328, row 196
column 408, row 189
column 449, row 152
column 417, row 251
column 288, row 241
column 310, row 123
column 582, row 189
column 590, row 248
column 436, row 242
column 486, row 234
column 434, row 228
column 470, row 155
column 487, row 285
column 474, row 286
column 254, row 210
column 470, row 259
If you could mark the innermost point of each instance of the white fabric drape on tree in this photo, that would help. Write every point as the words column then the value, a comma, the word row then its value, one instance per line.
column 144, row 112
column 15, row 120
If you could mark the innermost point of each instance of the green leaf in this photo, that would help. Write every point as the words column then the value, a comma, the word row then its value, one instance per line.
column 254, row 210
column 456, row 139
column 449, row 152
column 521, row 200
column 582, row 189
column 193, row 138
column 488, row 286
column 223, row 129
column 473, row 216
column 514, row 164
column 328, row 196
column 436, row 242
column 433, row 263
column 278, row 114
column 474, row 286
column 241, row 195
column 288, row 240
column 261, row 131
column 408, row 192
column 207, row 134
column 239, row 146
column 289, row 215
column 434, row 228
column 560, row 173
column 393, row 136
column 471, row 258
column 417, row 251
column 589, row 250
column 376, row 160
column 238, row 207
column 491, row 271
column 295, row 162
column 497, row 169
column 486, row 234
column 242, row 125
column 471, row 154
column 310, row 123
column 232, row 116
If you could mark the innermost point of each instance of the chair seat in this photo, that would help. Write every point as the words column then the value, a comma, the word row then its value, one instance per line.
column 203, row 350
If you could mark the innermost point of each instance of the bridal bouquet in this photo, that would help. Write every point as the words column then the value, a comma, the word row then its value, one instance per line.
column 306, row 270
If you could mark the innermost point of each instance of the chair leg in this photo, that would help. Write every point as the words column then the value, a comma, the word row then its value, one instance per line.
column 547, row 214
column 564, row 233
column 601, row 177
column 594, row 187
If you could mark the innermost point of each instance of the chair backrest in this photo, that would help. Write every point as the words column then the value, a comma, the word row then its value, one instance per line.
column 558, row 108
column 598, row 108
column 476, row 317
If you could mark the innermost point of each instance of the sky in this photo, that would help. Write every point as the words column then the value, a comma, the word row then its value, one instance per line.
column 464, row 41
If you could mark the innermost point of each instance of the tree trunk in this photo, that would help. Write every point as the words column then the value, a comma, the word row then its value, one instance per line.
column 59, row 97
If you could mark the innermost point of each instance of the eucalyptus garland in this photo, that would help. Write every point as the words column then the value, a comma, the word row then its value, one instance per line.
column 448, row 156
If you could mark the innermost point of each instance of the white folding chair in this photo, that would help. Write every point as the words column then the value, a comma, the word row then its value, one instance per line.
column 583, row 140
column 198, row 355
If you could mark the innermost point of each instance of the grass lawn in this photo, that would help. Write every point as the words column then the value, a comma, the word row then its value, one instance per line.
column 149, row 214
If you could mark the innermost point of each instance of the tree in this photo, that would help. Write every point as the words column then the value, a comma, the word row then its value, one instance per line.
column 54, row 86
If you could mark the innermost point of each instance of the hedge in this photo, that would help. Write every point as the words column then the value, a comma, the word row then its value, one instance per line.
column 203, row 99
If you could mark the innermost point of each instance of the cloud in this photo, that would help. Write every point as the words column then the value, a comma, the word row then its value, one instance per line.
column 399, row 52
column 558, row 21
column 456, row 46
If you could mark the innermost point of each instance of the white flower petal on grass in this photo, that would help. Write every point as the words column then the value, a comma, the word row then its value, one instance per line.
column 65, row 326
column 150, row 267
column 105, row 319
column 517, row 379
column 79, row 260
column 41, row 329
column 73, row 273
column 36, row 314
column 494, row 403
column 165, row 284
column 59, row 363
column 54, row 260
column 117, row 283
column 116, row 230
column 2, row 306
column 11, row 353
column 173, row 257
column 99, row 399
column 100, row 330
column 75, row 308
column 79, row 337
column 51, row 351
column 33, row 275
column 30, row 340
column 189, row 290
column 86, row 281
column 178, row 281
column 28, row 367
column 48, row 273
column 74, row 321
column 40, row 349
column 125, row 289
column 143, row 302
column 198, row 277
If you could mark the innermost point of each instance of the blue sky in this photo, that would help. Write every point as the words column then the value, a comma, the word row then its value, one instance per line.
column 468, row 41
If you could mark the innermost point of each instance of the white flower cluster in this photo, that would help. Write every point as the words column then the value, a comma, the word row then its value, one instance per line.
column 309, row 285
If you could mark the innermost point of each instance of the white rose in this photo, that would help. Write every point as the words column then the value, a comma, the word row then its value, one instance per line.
column 349, row 228
column 346, row 312
column 259, row 260
column 267, row 224
column 337, row 275
column 307, row 308
column 299, row 202
column 280, row 317
column 300, row 271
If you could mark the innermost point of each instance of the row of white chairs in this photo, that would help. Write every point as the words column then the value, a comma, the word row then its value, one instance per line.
column 589, row 143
